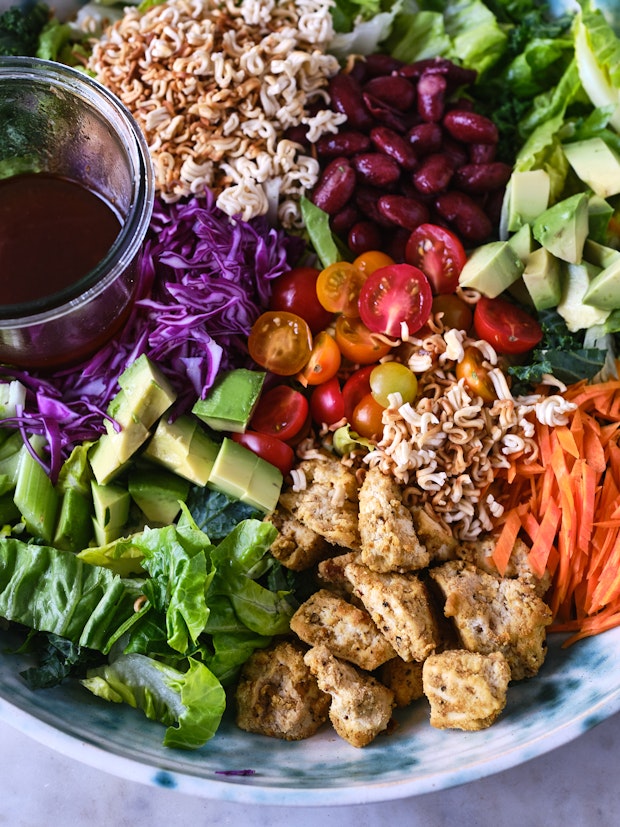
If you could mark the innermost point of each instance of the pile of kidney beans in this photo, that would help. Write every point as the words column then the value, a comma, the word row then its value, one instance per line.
column 411, row 151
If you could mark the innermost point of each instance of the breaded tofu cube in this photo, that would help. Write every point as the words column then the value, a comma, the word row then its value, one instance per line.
column 388, row 537
column 297, row 547
column 331, row 574
column 440, row 542
column 277, row 694
column 480, row 553
column 404, row 679
column 466, row 690
column 348, row 631
column 328, row 504
column 401, row 606
column 361, row 707
column 495, row 615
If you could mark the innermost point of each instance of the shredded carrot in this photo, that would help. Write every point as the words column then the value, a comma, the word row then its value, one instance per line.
column 566, row 504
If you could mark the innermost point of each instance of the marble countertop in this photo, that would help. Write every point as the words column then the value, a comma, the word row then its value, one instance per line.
column 575, row 784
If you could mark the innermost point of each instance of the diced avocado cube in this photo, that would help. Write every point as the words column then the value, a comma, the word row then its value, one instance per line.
column 74, row 530
column 522, row 242
column 542, row 277
column 111, row 505
column 145, row 394
column 604, row 289
column 240, row 473
column 563, row 228
column 35, row 497
column 599, row 254
column 183, row 448
column 596, row 164
column 576, row 280
column 491, row 268
column 599, row 216
column 528, row 196
column 231, row 401
column 110, row 454
column 158, row 493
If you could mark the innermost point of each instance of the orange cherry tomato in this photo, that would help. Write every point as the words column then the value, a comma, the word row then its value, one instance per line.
column 324, row 361
column 280, row 342
column 372, row 260
column 476, row 375
column 357, row 343
column 338, row 287
column 367, row 418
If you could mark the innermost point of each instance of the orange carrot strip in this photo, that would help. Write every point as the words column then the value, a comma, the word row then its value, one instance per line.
column 506, row 540
column 544, row 539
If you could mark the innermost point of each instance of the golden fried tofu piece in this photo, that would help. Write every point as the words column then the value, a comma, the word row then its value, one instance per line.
column 401, row 606
column 480, row 553
column 466, row 690
column 348, row 631
column 331, row 574
column 435, row 535
column 492, row 614
column 404, row 679
column 328, row 504
column 387, row 534
column 297, row 547
column 361, row 707
column 277, row 694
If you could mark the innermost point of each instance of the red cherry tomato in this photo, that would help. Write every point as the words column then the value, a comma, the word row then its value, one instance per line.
column 366, row 419
column 440, row 255
column 357, row 343
column 393, row 295
column 327, row 403
column 505, row 326
column 270, row 448
column 281, row 412
column 280, row 342
column 355, row 389
column 295, row 292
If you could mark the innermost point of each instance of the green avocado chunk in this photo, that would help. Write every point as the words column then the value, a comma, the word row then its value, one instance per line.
column 230, row 403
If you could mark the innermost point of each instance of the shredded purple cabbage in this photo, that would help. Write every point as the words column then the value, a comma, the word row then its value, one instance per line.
column 204, row 278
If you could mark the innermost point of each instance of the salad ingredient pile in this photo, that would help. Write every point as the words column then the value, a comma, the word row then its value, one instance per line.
column 357, row 443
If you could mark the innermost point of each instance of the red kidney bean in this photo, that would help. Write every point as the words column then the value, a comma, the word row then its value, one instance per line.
column 376, row 169
column 358, row 70
column 425, row 138
column 456, row 151
column 467, row 217
column 482, row 153
column 455, row 75
column 431, row 97
column 396, row 244
column 393, row 90
column 335, row 186
column 345, row 143
column 346, row 97
column 342, row 221
column 387, row 115
column 391, row 143
column 298, row 134
column 481, row 178
column 470, row 127
column 434, row 174
column 367, row 199
column 462, row 104
column 380, row 64
column 403, row 211
column 364, row 236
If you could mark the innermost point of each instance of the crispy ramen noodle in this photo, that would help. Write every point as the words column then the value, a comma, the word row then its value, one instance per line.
column 215, row 85
column 447, row 447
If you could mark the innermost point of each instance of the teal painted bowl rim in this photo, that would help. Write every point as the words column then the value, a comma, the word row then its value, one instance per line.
column 577, row 688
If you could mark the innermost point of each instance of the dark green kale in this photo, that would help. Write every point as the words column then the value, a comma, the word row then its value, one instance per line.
column 20, row 28
column 57, row 659
column 217, row 514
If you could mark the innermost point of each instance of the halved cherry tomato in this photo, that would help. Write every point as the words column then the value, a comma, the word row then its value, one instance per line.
column 324, row 361
column 366, row 419
column 505, row 326
column 295, row 292
column 270, row 448
column 395, row 295
column 281, row 412
column 355, row 389
column 338, row 288
column 439, row 253
column 280, row 342
column 357, row 343
column 476, row 375
column 371, row 260
column 456, row 312
column 327, row 403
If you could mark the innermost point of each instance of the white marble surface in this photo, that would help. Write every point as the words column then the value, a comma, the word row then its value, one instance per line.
column 575, row 784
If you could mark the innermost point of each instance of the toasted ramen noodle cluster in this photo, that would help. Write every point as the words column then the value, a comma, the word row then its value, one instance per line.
column 403, row 611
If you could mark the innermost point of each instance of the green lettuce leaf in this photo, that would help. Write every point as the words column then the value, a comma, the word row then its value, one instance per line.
column 190, row 704
column 597, row 51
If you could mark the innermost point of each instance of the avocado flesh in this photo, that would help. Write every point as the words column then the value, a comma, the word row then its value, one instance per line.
column 231, row 401
column 491, row 268
column 542, row 278
column 183, row 448
column 576, row 281
column 242, row 474
column 563, row 228
column 596, row 164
